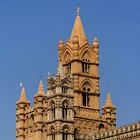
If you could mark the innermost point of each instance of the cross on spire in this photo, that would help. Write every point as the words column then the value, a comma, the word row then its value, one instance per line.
column 78, row 11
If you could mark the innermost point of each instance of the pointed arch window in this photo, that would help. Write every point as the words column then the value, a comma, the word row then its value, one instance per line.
column 67, row 60
column 75, row 134
column 86, row 64
column 85, row 96
column 68, row 67
column 64, row 89
column 52, row 133
column 32, row 120
column 65, row 134
column 53, row 110
column 64, row 110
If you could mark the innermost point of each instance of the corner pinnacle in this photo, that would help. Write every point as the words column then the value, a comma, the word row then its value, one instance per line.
column 23, row 95
column 41, row 89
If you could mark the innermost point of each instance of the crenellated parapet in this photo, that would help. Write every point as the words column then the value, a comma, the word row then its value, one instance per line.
column 131, row 131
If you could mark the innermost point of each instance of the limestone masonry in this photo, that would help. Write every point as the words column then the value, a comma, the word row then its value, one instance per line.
column 69, row 110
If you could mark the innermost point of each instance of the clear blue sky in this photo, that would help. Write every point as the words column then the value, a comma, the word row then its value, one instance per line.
column 29, row 34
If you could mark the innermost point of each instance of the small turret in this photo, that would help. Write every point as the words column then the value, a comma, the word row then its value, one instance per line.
column 22, row 106
column 60, row 48
column 95, row 43
column 40, row 107
column 60, row 44
column 96, row 49
column 58, row 76
column 109, row 112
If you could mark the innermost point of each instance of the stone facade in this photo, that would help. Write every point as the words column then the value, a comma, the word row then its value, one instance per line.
column 69, row 110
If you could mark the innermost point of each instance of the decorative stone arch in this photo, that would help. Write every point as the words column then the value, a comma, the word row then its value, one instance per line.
column 27, row 121
column 17, row 132
column 66, row 61
column 52, row 128
column 65, row 106
column 88, row 52
column 30, row 130
column 66, row 56
column 101, row 126
column 66, row 101
column 44, row 100
column 87, row 59
column 44, row 127
column 52, row 132
column 86, row 88
column 35, row 111
column 76, row 133
column 66, row 81
column 51, row 103
column 52, row 83
column 31, row 120
column 35, row 127
column 65, row 130
column 87, row 83
column 52, row 109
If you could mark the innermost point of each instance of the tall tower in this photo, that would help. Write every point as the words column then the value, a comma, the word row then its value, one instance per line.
column 80, row 59
column 60, row 107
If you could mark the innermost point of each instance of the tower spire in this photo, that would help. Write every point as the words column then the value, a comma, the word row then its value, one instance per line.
column 78, row 29
column 23, row 94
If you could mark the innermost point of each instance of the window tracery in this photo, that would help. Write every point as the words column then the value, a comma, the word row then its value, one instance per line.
column 65, row 134
column 85, row 64
column 85, row 95
column 52, row 133
column 65, row 110
column 52, row 110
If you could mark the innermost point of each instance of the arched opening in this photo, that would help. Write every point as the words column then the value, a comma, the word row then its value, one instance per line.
column 85, row 64
column 44, row 128
column 67, row 60
column 101, row 126
column 52, row 133
column 64, row 89
column 75, row 134
column 68, row 68
column 85, row 96
column 65, row 134
column 52, row 110
column 32, row 120
column 65, row 110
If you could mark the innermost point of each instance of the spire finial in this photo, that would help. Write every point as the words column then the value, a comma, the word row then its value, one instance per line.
column 21, row 84
column 78, row 11
column 23, row 93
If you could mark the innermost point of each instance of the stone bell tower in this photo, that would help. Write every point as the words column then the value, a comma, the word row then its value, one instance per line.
column 81, row 59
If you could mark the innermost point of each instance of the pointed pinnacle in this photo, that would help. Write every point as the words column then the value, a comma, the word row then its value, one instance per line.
column 23, row 95
column 41, row 89
column 60, row 41
column 108, row 100
column 95, row 42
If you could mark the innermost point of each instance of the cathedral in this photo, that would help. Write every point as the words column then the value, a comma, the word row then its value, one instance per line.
column 70, row 108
